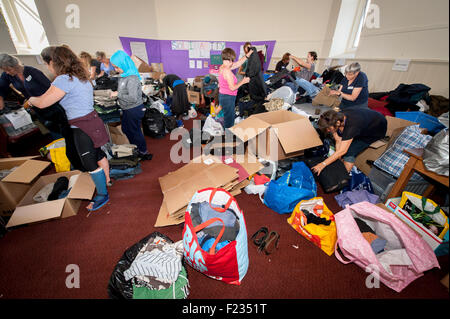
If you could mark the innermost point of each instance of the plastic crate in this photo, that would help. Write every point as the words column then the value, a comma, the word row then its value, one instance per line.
column 383, row 182
column 427, row 121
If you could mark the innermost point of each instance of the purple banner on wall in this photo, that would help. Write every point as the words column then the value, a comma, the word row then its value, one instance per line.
column 177, row 61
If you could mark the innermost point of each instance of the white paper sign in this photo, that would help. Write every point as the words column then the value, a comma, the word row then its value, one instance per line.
column 199, row 64
column 191, row 64
column 341, row 62
column 138, row 49
column 401, row 65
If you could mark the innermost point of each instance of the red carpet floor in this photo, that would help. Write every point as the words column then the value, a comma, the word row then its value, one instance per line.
column 34, row 258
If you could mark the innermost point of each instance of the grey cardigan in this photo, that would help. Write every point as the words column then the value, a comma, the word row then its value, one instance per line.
column 129, row 92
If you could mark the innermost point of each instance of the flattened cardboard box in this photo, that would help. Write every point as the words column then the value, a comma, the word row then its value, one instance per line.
column 28, row 211
column 14, row 186
column 277, row 135
column 395, row 127
column 179, row 186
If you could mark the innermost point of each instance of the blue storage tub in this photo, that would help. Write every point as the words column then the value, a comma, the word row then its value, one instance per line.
column 427, row 121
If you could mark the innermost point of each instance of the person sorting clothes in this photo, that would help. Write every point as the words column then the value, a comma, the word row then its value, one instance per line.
column 30, row 82
column 353, row 130
column 129, row 94
column 73, row 90
column 179, row 102
column 354, row 88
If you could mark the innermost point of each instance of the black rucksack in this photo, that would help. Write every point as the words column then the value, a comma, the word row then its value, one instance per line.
column 153, row 124
column 170, row 123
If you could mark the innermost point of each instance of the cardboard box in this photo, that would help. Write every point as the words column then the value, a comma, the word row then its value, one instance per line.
column 395, row 127
column 277, row 135
column 14, row 186
column 141, row 65
column 432, row 240
column 193, row 97
column 28, row 211
column 198, row 82
column 157, row 67
column 117, row 135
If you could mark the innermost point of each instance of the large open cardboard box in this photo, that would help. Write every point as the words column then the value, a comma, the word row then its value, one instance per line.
column 395, row 127
column 277, row 135
column 141, row 65
column 28, row 211
column 14, row 186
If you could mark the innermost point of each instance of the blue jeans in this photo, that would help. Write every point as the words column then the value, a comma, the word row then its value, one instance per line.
column 356, row 147
column 131, row 127
column 228, row 103
column 311, row 89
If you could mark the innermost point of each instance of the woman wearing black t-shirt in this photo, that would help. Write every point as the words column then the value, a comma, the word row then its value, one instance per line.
column 353, row 130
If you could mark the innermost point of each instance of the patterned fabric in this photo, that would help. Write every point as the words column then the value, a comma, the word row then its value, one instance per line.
column 394, row 159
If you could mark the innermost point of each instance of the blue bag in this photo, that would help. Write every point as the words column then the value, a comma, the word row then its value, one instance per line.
column 358, row 181
column 283, row 194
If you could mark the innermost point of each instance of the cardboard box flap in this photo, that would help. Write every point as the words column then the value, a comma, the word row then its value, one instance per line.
column 394, row 123
column 27, row 172
column 378, row 144
column 249, row 128
column 297, row 135
column 84, row 187
column 10, row 162
column 37, row 212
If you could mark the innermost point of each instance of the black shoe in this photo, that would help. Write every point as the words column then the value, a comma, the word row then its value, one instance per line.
column 145, row 157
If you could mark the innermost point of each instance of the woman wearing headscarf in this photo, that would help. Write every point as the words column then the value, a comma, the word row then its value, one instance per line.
column 73, row 90
column 129, row 94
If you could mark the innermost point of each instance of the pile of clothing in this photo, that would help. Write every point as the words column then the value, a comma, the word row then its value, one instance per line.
column 123, row 161
column 106, row 106
column 157, row 271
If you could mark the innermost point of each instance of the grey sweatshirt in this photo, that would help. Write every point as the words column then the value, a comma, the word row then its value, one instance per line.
column 130, row 92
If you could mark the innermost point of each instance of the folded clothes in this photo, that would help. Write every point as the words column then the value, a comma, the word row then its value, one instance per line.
column 356, row 196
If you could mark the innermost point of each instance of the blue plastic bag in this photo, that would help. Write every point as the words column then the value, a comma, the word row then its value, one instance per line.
column 283, row 194
column 358, row 181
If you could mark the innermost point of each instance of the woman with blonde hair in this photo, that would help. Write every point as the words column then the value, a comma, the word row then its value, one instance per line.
column 105, row 64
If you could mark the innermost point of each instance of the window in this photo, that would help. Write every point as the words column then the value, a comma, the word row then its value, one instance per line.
column 362, row 21
column 349, row 26
column 25, row 25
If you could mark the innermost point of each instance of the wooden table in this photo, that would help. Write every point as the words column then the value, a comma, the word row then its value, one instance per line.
column 415, row 164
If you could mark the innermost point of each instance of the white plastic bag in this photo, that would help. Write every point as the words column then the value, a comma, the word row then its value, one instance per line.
column 213, row 127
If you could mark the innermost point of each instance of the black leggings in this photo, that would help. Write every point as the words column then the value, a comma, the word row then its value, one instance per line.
column 89, row 155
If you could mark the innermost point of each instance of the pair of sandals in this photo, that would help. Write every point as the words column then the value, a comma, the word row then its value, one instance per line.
column 266, row 241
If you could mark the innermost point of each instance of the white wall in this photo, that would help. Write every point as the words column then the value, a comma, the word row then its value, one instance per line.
column 413, row 29
column 101, row 23
column 298, row 26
